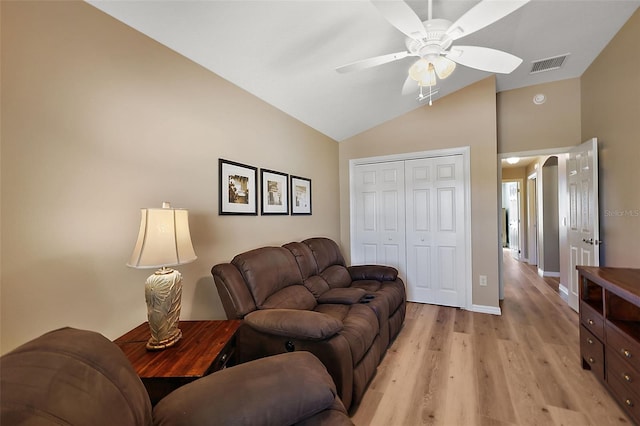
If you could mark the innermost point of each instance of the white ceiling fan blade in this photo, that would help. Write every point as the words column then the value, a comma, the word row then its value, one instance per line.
column 401, row 16
column 484, row 58
column 372, row 62
column 481, row 15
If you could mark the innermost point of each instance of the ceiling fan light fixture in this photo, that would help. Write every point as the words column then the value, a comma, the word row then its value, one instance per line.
column 423, row 72
column 443, row 66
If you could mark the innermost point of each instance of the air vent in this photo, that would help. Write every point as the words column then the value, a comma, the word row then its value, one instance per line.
column 548, row 64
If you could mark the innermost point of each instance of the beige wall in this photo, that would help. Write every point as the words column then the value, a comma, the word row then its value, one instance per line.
column 99, row 121
column 611, row 112
column 525, row 126
column 465, row 118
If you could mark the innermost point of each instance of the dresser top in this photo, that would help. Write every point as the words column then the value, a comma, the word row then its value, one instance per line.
column 624, row 282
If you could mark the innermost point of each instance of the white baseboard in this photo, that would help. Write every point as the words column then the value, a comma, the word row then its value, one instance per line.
column 548, row 273
column 483, row 309
column 564, row 292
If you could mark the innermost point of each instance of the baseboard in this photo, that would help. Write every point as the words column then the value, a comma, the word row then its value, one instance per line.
column 483, row 309
column 548, row 273
column 564, row 290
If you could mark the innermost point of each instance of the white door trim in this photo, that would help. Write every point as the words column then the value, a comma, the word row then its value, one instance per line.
column 465, row 151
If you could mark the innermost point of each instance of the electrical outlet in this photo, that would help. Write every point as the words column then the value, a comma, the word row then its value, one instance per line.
column 483, row 280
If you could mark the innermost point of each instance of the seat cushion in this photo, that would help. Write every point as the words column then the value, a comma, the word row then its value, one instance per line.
column 391, row 291
column 279, row 390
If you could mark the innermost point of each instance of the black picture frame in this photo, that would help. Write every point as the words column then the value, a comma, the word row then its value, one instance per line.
column 238, row 191
column 301, row 200
column 275, row 192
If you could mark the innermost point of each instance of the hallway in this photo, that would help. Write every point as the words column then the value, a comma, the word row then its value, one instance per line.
column 454, row 367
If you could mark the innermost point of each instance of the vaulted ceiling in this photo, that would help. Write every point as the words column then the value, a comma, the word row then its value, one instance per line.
column 286, row 52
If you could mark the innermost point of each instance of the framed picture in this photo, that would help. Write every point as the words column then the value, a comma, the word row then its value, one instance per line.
column 275, row 192
column 300, row 195
column 238, row 188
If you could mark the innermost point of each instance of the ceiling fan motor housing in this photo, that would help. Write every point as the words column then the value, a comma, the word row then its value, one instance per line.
column 435, row 42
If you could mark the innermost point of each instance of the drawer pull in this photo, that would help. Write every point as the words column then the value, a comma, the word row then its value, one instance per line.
column 590, row 321
column 591, row 360
column 589, row 341
column 627, row 377
column 223, row 358
column 628, row 402
column 626, row 353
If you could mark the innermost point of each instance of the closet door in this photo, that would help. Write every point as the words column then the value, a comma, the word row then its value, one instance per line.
column 379, row 203
column 435, row 230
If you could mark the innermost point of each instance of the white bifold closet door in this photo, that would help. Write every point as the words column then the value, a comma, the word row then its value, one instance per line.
column 410, row 215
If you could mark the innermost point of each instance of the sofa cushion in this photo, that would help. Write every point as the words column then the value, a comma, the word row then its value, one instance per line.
column 316, row 285
column 304, row 258
column 325, row 251
column 346, row 296
column 360, row 326
column 279, row 390
column 292, row 297
column 294, row 323
column 391, row 291
column 337, row 276
column 73, row 377
column 267, row 270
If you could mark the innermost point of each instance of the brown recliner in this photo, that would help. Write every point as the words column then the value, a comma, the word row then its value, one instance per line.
column 302, row 296
column 78, row 377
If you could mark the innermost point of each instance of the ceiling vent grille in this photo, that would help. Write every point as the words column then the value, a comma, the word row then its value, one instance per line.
column 548, row 64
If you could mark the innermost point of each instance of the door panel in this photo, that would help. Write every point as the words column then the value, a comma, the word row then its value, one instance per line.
column 379, row 215
column 584, row 232
column 435, row 230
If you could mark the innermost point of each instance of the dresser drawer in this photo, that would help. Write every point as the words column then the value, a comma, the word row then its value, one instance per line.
column 592, row 320
column 625, row 396
column 619, row 368
column 592, row 352
column 625, row 346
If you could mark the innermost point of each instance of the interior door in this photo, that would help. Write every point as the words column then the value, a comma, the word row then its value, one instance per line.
column 584, row 234
column 532, row 207
column 379, row 215
column 514, row 219
column 435, row 230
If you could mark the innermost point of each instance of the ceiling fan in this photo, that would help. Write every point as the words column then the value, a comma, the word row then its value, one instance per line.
column 432, row 42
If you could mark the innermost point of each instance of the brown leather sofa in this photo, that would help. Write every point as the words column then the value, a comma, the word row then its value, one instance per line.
column 78, row 377
column 302, row 296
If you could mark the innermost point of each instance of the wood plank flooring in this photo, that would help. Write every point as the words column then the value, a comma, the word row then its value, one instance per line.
column 454, row 367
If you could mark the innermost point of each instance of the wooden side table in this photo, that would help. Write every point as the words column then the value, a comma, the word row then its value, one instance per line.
column 205, row 347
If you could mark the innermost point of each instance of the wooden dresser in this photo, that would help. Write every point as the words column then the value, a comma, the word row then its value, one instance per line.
column 610, row 331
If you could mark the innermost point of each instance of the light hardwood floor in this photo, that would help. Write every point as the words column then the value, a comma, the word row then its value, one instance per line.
column 454, row 367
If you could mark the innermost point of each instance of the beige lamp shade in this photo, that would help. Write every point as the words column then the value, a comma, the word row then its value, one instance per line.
column 163, row 240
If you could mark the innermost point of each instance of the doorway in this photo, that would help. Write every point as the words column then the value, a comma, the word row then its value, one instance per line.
column 512, row 221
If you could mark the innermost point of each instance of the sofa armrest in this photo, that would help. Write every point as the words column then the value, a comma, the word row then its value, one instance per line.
column 282, row 390
column 294, row 323
column 373, row 272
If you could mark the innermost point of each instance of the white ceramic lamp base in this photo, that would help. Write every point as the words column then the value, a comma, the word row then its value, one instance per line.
column 163, row 293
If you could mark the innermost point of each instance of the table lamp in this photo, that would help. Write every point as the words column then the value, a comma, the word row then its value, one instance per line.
column 163, row 241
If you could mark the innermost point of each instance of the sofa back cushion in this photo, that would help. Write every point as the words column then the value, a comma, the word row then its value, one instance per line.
column 326, row 252
column 273, row 278
column 73, row 377
column 304, row 258
column 330, row 263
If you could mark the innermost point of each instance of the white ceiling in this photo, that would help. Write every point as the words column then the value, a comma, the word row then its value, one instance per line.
column 286, row 52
